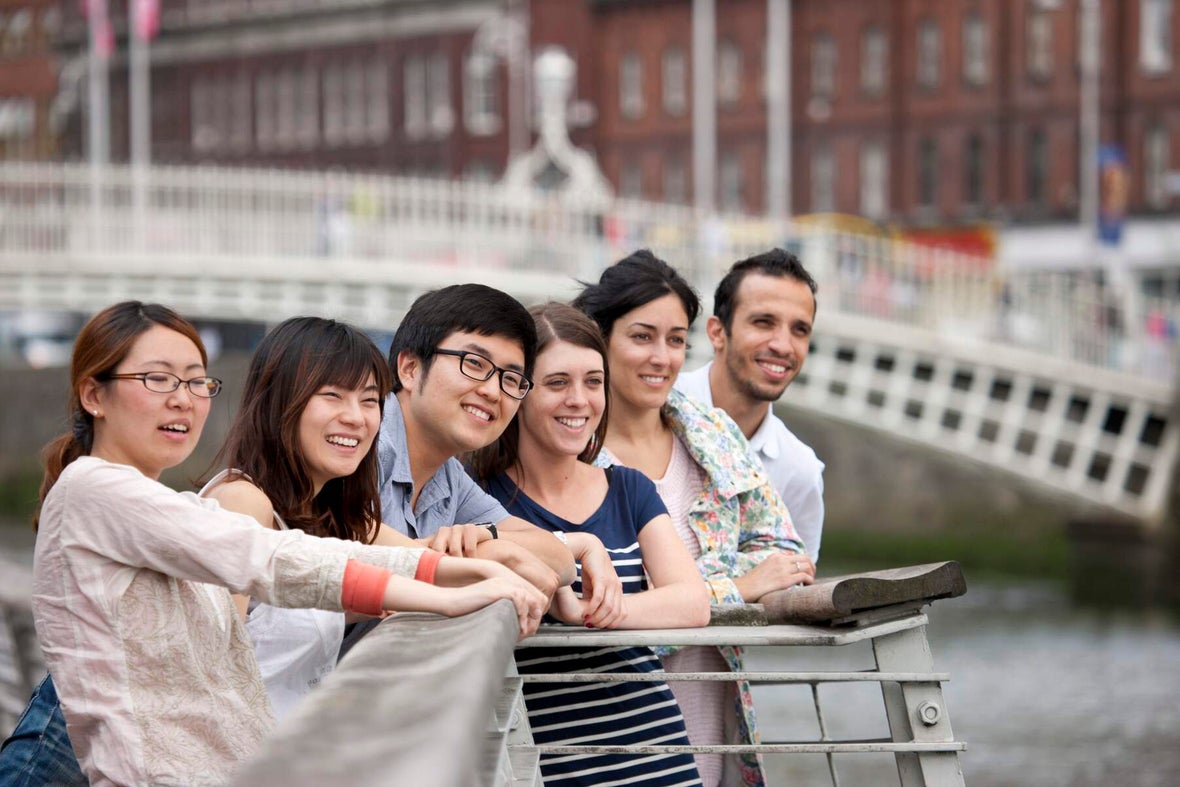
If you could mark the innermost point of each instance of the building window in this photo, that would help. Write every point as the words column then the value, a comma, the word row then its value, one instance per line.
column 1039, row 42
column 823, row 66
column 202, row 104
column 239, row 132
column 308, row 107
column 631, row 86
column 675, row 181
column 927, row 173
column 874, row 60
column 874, row 179
column 414, row 96
column 355, row 112
column 729, row 73
column 1155, row 36
column 731, row 182
column 973, row 170
column 976, row 52
column 823, row 181
column 1155, row 166
column 426, row 97
column 438, row 97
column 377, row 100
column 481, row 94
column 287, row 117
column 333, row 103
column 929, row 54
column 631, row 181
column 1038, row 167
column 675, row 79
column 265, row 111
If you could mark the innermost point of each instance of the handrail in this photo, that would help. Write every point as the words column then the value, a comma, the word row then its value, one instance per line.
column 409, row 704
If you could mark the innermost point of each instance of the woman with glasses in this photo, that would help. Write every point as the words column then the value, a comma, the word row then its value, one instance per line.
column 541, row 470
column 156, row 676
column 720, row 501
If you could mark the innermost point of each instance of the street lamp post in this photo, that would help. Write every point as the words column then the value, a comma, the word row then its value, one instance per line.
column 778, row 108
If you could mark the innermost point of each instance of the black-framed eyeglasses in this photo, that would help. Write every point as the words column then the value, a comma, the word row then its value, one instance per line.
column 166, row 382
column 477, row 367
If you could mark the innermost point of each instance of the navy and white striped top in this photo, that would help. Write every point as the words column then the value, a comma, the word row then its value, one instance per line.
column 603, row 714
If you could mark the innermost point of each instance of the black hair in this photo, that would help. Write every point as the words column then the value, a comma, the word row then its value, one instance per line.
column 634, row 281
column 775, row 262
column 471, row 308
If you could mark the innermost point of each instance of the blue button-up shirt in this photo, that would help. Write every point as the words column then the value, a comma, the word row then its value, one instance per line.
column 449, row 497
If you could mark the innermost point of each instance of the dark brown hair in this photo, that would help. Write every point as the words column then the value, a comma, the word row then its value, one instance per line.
column 292, row 362
column 555, row 322
column 101, row 346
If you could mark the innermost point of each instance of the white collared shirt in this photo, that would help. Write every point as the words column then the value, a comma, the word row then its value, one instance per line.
column 794, row 469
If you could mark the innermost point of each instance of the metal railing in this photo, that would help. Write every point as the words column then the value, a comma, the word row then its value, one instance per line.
column 425, row 699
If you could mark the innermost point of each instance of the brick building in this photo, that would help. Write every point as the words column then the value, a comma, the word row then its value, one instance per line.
column 910, row 111
column 28, row 78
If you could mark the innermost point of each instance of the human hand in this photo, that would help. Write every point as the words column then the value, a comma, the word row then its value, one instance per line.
column 458, row 541
column 521, row 562
column 567, row 607
column 602, row 590
column 780, row 570
column 530, row 603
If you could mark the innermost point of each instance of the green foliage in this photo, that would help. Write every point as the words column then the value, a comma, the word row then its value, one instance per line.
column 18, row 495
column 1044, row 554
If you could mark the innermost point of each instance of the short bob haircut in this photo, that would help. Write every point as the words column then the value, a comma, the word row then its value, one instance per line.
column 555, row 322
column 293, row 361
column 634, row 281
column 776, row 262
column 471, row 308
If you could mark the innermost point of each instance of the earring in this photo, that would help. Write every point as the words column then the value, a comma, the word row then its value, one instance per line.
column 96, row 413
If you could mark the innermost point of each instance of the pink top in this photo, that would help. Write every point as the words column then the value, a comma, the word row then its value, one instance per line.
column 703, row 703
column 154, row 668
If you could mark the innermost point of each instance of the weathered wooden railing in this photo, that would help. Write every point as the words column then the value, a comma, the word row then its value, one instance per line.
column 431, row 700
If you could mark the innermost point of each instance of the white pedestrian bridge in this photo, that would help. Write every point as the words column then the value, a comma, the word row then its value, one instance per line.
column 1035, row 374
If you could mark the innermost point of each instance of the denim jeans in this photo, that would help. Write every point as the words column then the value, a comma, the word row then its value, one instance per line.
column 38, row 753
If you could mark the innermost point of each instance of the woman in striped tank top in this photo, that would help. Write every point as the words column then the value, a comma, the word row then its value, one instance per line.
column 540, row 470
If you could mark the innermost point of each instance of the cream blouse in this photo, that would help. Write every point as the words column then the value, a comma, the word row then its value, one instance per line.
column 154, row 669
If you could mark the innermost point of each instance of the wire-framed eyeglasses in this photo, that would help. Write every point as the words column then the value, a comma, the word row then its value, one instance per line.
column 166, row 382
column 477, row 367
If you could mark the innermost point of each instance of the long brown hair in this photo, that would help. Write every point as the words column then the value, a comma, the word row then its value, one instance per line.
column 555, row 322
column 101, row 346
column 292, row 362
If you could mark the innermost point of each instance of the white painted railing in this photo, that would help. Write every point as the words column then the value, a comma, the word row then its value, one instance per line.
column 265, row 221
column 1037, row 374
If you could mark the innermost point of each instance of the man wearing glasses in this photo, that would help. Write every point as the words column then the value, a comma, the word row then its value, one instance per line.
column 461, row 363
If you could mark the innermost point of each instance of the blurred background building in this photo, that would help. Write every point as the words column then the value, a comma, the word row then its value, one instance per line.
column 28, row 78
column 925, row 112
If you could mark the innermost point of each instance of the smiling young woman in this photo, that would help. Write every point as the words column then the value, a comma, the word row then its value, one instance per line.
column 541, row 470
column 723, row 508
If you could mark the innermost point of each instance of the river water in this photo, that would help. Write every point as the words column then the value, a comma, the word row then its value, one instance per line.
column 1045, row 694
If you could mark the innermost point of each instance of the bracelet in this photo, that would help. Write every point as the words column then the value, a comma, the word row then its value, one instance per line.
column 560, row 536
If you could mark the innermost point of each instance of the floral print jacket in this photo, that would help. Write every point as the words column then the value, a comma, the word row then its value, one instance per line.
column 739, row 519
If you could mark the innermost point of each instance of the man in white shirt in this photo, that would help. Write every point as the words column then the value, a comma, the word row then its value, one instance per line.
column 760, row 330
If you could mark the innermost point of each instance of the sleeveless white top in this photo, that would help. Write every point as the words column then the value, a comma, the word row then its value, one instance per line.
column 295, row 648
